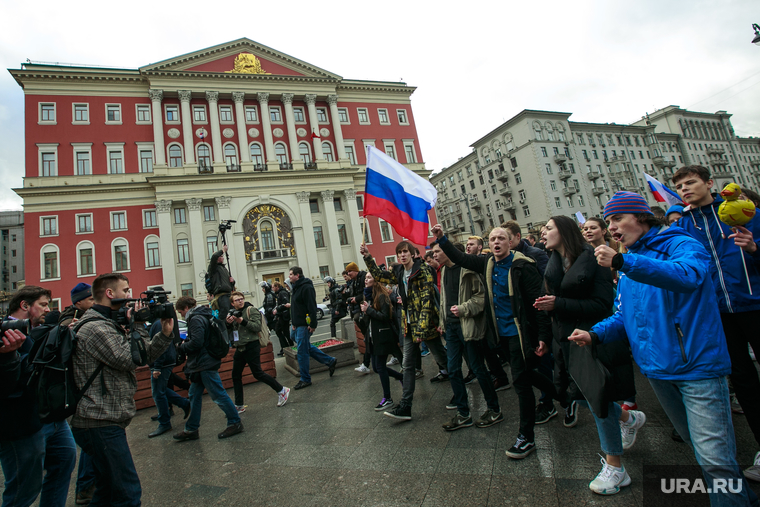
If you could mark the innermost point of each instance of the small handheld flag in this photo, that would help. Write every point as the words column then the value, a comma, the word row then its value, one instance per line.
column 662, row 193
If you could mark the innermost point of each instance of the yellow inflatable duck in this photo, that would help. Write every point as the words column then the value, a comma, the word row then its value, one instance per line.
column 734, row 211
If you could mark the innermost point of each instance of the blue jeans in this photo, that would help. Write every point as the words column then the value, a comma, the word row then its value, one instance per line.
column 302, row 336
column 163, row 396
column 455, row 347
column 51, row 449
column 116, row 480
column 85, row 473
column 608, row 429
column 213, row 384
column 700, row 410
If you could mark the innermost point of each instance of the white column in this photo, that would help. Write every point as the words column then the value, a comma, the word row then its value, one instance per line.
column 156, row 96
column 290, row 119
column 312, row 261
column 245, row 153
column 187, row 126
column 332, row 240
column 266, row 127
column 166, row 240
column 197, row 241
column 237, row 246
column 311, row 101
column 355, row 223
column 216, row 133
column 337, row 129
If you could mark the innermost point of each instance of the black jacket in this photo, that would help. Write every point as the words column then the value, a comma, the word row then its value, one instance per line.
column 303, row 302
column 283, row 298
column 525, row 287
column 383, row 339
column 18, row 404
column 356, row 290
column 270, row 303
column 220, row 276
column 169, row 357
column 537, row 254
column 194, row 347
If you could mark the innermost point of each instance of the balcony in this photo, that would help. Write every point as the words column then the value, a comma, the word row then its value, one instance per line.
column 204, row 168
column 475, row 204
column 233, row 168
column 715, row 150
column 560, row 158
column 271, row 254
column 502, row 176
column 310, row 166
column 260, row 168
column 564, row 174
column 451, row 230
column 617, row 158
column 477, row 217
column 597, row 190
column 505, row 191
column 460, row 227
column 592, row 175
column 286, row 166
column 510, row 205
column 718, row 162
column 568, row 191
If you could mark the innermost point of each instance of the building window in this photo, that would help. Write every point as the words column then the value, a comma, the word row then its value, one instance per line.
column 251, row 114
column 84, row 223
column 401, row 115
column 359, row 202
column 81, row 113
column 319, row 239
column 175, row 156
column 48, row 164
column 327, row 151
column 342, row 234
column 115, row 162
column 49, row 226
column 113, row 113
column 47, row 113
column 266, row 236
column 186, row 289
column 179, row 216
column 526, row 211
column 350, row 154
column 230, row 157
column 304, row 152
column 411, row 156
column 172, row 113
column 553, row 184
column 83, row 163
column 321, row 115
column 149, row 218
column 281, row 153
column 146, row 161
column 544, row 152
column 314, row 205
column 143, row 113
column 183, row 251
column 120, row 255
column 343, row 115
column 324, row 271
column 256, row 154
column 518, row 178
column 548, row 168
column 210, row 246
column 204, row 157
column 363, row 115
column 50, row 264
column 298, row 115
column 383, row 115
column 390, row 150
column 580, row 200
column 385, row 231
column 337, row 204
column 225, row 114
column 118, row 220
column 208, row 214
column 557, row 202
column 86, row 263
column 275, row 115
column 521, row 194
column 199, row 114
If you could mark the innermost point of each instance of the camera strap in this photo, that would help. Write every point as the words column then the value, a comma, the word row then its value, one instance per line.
column 137, row 345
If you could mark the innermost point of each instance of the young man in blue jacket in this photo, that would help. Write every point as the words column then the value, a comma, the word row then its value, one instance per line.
column 668, row 313
column 739, row 309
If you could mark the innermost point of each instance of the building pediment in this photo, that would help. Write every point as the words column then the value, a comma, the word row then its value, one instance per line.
column 242, row 56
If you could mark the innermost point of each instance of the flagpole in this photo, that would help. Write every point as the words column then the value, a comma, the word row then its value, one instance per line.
column 364, row 235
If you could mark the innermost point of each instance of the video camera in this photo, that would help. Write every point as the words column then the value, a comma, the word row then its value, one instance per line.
column 19, row 324
column 226, row 225
column 156, row 306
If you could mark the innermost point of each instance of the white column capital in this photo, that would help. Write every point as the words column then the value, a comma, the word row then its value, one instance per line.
column 287, row 98
column 223, row 202
column 332, row 99
column 303, row 196
column 238, row 97
column 184, row 95
column 311, row 99
column 212, row 96
column 163, row 206
column 327, row 196
column 194, row 204
column 156, row 95
column 350, row 194
column 263, row 97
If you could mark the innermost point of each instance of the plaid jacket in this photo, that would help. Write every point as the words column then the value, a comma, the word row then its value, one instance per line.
column 110, row 399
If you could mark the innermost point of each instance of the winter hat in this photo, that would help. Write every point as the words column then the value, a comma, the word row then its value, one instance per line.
column 674, row 209
column 626, row 202
column 352, row 267
column 80, row 292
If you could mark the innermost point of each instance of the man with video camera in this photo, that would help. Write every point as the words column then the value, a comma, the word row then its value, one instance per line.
column 282, row 316
column 107, row 408
column 27, row 446
column 222, row 283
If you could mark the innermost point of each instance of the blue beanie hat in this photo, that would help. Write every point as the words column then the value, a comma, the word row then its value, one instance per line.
column 80, row 292
column 626, row 202
column 674, row 209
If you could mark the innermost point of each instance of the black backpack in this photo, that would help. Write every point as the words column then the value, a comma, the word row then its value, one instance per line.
column 218, row 344
column 207, row 282
column 52, row 375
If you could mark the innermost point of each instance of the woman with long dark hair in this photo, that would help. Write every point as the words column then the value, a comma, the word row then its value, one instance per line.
column 382, row 338
column 578, row 293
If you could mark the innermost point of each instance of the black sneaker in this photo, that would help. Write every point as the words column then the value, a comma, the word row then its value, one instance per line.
column 571, row 414
column 183, row 435
column 384, row 403
column 489, row 418
column 451, row 405
column 500, row 385
column 521, row 448
column 544, row 412
column 232, row 429
column 301, row 384
column 402, row 413
column 441, row 377
column 332, row 367
column 470, row 378
column 458, row 421
column 675, row 436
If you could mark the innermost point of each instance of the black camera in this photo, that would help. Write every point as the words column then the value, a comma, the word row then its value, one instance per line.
column 156, row 306
column 226, row 225
column 235, row 313
column 19, row 324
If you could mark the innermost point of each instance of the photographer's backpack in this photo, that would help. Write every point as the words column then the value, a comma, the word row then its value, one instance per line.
column 53, row 372
column 207, row 282
column 218, row 344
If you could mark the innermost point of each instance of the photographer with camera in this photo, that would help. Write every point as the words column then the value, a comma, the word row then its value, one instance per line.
column 337, row 308
column 282, row 316
column 107, row 408
column 270, row 303
column 244, row 325
column 27, row 446
column 203, row 371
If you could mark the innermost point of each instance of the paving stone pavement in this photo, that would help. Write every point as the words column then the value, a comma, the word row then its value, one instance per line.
column 328, row 447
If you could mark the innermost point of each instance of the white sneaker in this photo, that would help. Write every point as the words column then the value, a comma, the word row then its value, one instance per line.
column 240, row 408
column 282, row 398
column 753, row 472
column 394, row 360
column 610, row 480
column 363, row 369
column 628, row 430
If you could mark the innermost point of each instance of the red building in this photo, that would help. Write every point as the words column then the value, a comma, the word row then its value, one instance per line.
column 132, row 170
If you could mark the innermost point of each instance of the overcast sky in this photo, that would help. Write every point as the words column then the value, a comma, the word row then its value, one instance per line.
column 474, row 66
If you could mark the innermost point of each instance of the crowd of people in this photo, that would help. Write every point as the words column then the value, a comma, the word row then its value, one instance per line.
column 568, row 313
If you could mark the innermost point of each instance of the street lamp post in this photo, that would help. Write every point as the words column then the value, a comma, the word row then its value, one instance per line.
column 756, row 28
column 469, row 213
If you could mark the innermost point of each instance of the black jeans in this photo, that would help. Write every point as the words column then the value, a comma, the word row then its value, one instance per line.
column 378, row 364
column 334, row 319
column 494, row 361
column 252, row 357
column 741, row 329
column 567, row 390
column 282, row 328
column 525, row 377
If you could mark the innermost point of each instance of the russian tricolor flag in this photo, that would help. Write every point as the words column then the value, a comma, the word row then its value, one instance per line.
column 398, row 196
column 662, row 193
